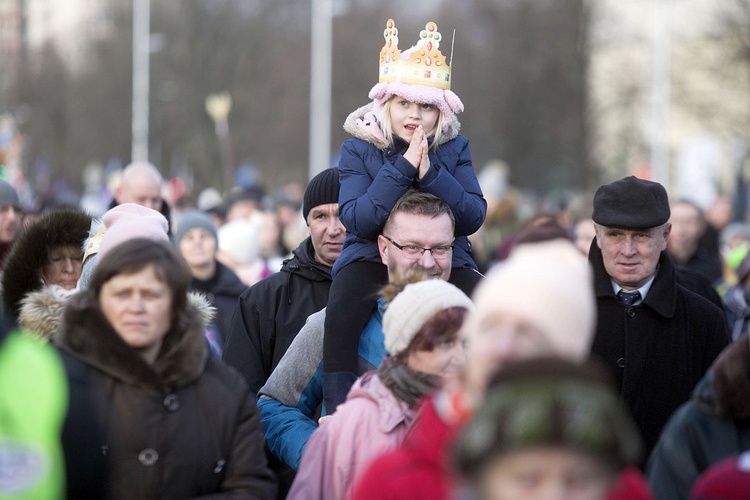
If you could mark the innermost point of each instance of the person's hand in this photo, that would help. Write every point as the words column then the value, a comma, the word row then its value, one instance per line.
column 424, row 163
column 322, row 420
column 414, row 154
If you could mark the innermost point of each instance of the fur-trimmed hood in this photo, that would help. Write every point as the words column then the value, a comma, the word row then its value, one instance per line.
column 41, row 311
column 86, row 334
column 22, row 273
column 362, row 123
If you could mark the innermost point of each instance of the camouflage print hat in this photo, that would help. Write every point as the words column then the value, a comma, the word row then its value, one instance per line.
column 549, row 402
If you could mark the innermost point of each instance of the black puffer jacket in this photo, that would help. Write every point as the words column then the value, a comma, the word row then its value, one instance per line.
column 184, row 427
column 272, row 312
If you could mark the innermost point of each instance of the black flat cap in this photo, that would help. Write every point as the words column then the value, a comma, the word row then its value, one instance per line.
column 631, row 203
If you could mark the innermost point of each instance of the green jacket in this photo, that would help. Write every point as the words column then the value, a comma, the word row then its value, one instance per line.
column 33, row 403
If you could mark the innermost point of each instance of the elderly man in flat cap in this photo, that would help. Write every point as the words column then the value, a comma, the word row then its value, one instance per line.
column 656, row 337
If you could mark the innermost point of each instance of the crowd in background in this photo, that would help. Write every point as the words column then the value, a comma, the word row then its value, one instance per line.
column 404, row 326
column 549, row 413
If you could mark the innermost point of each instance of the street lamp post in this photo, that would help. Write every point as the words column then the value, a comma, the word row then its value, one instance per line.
column 141, row 29
column 218, row 107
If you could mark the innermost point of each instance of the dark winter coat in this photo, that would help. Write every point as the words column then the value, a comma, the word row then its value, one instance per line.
column 374, row 176
column 222, row 291
column 657, row 350
column 23, row 266
column 271, row 313
column 707, row 429
column 183, row 427
column 704, row 264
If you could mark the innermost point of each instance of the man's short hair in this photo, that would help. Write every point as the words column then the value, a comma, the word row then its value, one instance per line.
column 421, row 203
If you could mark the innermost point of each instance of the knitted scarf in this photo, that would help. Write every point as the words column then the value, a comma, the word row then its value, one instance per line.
column 406, row 384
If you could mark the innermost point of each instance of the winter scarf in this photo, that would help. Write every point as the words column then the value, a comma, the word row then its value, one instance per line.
column 406, row 384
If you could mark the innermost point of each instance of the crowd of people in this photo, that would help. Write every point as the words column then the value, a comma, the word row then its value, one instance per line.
column 348, row 342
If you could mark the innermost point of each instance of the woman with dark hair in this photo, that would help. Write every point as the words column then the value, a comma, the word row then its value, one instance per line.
column 421, row 326
column 170, row 420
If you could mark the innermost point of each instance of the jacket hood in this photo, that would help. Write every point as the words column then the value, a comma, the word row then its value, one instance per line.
column 392, row 411
column 41, row 311
column 85, row 333
column 22, row 274
column 303, row 262
column 363, row 124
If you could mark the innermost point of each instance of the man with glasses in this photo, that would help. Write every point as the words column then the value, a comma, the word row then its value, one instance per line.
column 418, row 236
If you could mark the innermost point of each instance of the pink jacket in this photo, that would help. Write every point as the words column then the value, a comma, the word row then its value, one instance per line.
column 369, row 423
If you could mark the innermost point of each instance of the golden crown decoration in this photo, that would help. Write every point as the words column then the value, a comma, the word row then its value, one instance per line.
column 422, row 64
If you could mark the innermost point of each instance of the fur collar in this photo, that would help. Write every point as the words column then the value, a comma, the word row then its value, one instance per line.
column 360, row 127
column 86, row 334
column 41, row 311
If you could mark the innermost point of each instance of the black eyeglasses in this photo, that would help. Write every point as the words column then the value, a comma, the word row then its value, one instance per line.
column 414, row 252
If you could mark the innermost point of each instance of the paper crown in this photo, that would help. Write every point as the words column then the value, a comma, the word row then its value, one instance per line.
column 422, row 64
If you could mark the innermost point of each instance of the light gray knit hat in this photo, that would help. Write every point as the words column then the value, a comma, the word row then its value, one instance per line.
column 414, row 306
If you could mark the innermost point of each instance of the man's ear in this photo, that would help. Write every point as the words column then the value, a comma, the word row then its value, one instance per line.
column 666, row 233
column 383, row 249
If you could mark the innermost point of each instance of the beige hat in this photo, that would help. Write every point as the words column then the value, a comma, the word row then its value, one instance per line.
column 548, row 284
column 414, row 306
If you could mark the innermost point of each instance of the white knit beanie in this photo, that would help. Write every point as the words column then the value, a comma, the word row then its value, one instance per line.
column 548, row 284
column 414, row 306
column 240, row 240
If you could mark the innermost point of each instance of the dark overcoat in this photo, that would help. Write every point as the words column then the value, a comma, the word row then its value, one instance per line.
column 185, row 426
column 659, row 349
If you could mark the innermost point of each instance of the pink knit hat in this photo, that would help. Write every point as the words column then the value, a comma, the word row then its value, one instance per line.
column 445, row 100
column 129, row 220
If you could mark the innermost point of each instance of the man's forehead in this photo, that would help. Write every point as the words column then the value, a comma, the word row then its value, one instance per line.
column 631, row 229
column 325, row 208
column 408, row 222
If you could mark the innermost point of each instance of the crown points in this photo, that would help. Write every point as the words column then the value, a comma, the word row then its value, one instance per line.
column 422, row 64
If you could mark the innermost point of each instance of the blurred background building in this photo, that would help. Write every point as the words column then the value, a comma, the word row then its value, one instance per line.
column 567, row 93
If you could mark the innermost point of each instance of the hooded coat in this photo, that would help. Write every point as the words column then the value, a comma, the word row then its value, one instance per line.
column 659, row 349
column 271, row 313
column 374, row 176
column 183, row 427
column 23, row 266
column 713, row 425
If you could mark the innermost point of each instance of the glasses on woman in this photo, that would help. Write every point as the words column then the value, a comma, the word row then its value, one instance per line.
column 414, row 252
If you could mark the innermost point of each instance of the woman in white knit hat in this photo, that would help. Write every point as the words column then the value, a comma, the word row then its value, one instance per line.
column 421, row 326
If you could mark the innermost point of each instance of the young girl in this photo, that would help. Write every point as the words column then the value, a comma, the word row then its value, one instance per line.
column 407, row 138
